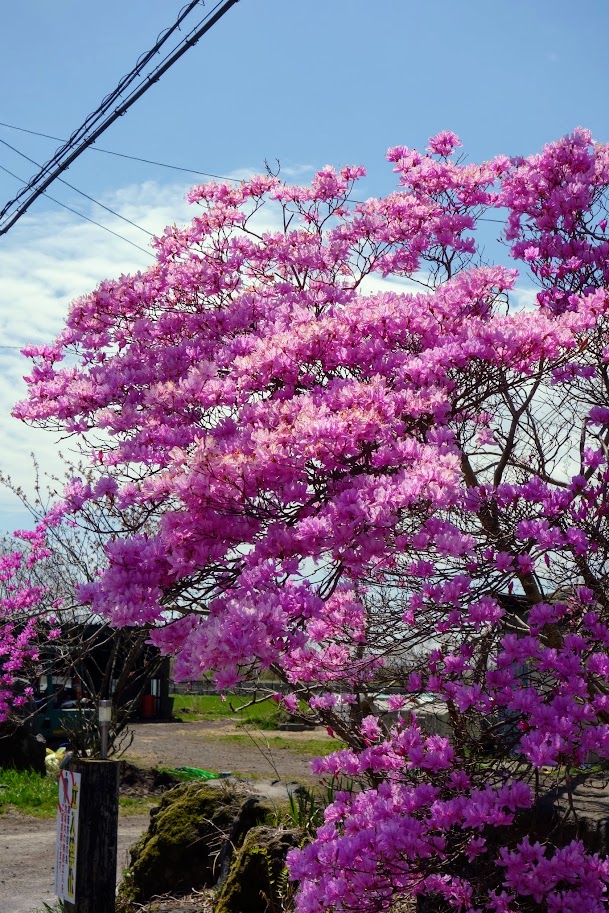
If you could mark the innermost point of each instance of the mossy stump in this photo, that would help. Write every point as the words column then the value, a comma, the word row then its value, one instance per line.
column 187, row 832
column 257, row 881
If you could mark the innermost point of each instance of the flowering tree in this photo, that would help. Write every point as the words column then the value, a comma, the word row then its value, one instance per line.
column 358, row 488
column 23, row 620
column 44, row 578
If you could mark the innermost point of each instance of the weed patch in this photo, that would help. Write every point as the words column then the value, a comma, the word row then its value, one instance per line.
column 28, row 792
column 265, row 714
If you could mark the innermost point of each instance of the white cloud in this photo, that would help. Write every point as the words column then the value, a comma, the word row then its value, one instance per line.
column 46, row 261
column 523, row 298
column 396, row 284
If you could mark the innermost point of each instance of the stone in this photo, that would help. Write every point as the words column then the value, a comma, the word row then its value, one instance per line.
column 187, row 833
column 257, row 881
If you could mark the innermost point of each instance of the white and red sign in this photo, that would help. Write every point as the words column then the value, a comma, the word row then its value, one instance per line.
column 67, row 835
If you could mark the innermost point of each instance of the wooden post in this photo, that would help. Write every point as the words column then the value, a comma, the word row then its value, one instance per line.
column 96, row 851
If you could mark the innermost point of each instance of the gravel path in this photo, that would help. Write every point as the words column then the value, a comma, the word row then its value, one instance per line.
column 27, row 859
column 27, row 845
column 207, row 745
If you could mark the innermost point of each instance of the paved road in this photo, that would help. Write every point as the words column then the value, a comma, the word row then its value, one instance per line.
column 27, row 859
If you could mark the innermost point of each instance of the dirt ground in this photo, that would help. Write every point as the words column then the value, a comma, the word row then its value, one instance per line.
column 204, row 744
column 27, row 859
column 27, row 845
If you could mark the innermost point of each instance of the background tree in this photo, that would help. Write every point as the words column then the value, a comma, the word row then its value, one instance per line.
column 333, row 477
column 100, row 662
column 20, row 622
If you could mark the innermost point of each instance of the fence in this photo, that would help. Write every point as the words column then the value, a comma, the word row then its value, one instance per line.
column 205, row 687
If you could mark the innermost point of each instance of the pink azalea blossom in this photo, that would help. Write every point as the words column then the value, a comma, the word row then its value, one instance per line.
column 357, row 490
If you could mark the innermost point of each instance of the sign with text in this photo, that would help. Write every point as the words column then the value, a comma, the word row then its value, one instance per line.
column 67, row 835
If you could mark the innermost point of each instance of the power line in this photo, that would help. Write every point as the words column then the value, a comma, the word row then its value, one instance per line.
column 123, row 84
column 123, row 155
column 219, row 177
column 82, row 215
column 205, row 174
column 81, row 192
column 99, row 121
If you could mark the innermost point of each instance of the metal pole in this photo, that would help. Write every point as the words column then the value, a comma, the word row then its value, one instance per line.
column 105, row 718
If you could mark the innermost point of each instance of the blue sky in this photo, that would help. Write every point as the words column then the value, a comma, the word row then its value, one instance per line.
column 304, row 83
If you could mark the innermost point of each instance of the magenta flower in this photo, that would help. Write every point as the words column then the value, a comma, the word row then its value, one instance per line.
column 359, row 486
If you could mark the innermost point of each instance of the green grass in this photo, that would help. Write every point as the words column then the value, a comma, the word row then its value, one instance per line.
column 129, row 805
column 27, row 792
column 56, row 907
column 265, row 714
column 312, row 747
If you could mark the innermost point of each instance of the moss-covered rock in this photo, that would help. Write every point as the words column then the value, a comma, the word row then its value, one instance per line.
column 186, row 835
column 257, row 881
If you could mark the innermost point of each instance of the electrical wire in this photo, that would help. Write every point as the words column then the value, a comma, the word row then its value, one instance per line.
column 136, row 158
column 123, row 155
column 105, row 115
column 113, row 96
column 81, row 192
column 82, row 215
